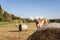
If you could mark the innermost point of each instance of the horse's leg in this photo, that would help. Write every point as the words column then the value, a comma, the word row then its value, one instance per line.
column 40, row 27
column 46, row 22
column 37, row 26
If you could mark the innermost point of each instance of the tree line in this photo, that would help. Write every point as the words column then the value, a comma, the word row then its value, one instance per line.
column 8, row 17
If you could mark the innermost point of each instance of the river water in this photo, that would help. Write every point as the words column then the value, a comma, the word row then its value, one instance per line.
column 52, row 25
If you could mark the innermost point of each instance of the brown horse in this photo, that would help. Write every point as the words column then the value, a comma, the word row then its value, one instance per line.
column 41, row 22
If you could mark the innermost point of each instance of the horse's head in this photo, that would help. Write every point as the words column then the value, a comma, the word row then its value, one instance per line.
column 37, row 20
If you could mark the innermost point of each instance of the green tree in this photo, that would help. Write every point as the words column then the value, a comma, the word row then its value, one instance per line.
column 0, row 7
column 0, row 10
column 4, row 17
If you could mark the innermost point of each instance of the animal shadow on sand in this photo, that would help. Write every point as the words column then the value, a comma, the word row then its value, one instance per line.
column 18, row 31
column 14, row 31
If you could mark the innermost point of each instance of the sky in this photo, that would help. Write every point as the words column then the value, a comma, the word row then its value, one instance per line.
column 32, row 8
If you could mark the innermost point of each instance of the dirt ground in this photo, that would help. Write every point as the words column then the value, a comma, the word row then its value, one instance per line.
column 10, row 32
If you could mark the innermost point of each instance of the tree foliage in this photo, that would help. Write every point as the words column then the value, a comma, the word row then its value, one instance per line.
column 5, row 16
